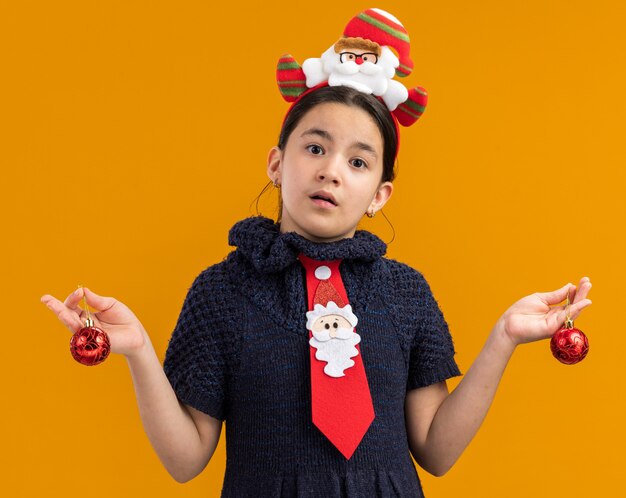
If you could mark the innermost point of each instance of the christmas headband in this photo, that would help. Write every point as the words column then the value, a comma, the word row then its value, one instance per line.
column 374, row 47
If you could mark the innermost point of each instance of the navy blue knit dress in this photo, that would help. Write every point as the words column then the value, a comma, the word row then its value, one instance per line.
column 240, row 353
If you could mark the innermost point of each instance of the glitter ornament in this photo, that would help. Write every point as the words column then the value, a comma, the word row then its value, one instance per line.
column 90, row 345
column 569, row 345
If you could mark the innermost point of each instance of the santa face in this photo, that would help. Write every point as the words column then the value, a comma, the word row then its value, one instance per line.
column 331, row 327
column 360, row 68
column 334, row 345
column 330, row 172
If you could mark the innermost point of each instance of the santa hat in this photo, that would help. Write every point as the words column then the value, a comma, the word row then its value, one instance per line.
column 383, row 28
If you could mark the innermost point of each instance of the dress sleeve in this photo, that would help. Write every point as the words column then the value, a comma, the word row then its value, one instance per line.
column 431, row 357
column 196, row 357
column 426, row 341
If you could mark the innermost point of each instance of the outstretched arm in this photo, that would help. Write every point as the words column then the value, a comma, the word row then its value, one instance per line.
column 441, row 425
column 184, row 438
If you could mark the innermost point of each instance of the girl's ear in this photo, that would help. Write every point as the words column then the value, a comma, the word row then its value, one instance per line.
column 382, row 195
column 274, row 165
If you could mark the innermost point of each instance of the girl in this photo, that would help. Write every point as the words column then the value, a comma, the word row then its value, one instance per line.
column 241, row 352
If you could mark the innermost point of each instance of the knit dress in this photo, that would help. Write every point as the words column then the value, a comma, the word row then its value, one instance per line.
column 240, row 353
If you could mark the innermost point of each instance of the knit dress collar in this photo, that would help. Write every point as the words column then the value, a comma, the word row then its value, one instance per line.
column 260, row 241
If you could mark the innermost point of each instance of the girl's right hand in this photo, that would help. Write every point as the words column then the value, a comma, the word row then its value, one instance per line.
column 127, row 335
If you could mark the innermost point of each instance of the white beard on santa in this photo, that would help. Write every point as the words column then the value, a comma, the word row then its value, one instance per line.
column 336, row 351
column 367, row 77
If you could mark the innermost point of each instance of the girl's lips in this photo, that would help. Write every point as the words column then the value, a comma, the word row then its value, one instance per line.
column 325, row 197
column 323, row 203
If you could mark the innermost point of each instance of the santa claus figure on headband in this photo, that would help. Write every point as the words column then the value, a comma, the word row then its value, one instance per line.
column 374, row 48
column 361, row 64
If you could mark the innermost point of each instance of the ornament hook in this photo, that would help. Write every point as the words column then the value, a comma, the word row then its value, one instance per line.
column 569, row 323
column 88, row 320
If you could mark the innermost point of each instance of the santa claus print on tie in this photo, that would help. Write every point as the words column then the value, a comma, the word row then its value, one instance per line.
column 334, row 336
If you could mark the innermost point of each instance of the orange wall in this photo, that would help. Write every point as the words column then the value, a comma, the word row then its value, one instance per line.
column 128, row 151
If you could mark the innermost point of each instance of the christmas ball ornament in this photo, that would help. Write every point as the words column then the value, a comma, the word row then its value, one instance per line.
column 569, row 345
column 90, row 345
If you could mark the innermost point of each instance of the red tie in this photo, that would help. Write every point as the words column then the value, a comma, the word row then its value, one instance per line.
column 342, row 405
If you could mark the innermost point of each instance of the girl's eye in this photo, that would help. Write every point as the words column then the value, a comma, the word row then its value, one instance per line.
column 358, row 163
column 315, row 149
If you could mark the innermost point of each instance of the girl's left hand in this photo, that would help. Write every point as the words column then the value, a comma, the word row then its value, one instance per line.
column 537, row 317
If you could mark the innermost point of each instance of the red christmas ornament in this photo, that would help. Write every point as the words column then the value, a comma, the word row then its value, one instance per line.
column 569, row 345
column 90, row 345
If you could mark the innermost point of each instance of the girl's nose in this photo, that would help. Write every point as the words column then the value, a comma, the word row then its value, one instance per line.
column 329, row 172
column 326, row 176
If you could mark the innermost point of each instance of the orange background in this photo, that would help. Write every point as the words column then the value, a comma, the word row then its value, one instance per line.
column 135, row 134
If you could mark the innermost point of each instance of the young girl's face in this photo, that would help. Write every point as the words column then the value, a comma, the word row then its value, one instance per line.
column 330, row 172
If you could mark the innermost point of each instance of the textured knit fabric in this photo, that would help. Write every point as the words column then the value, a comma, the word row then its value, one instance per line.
column 240, row 353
